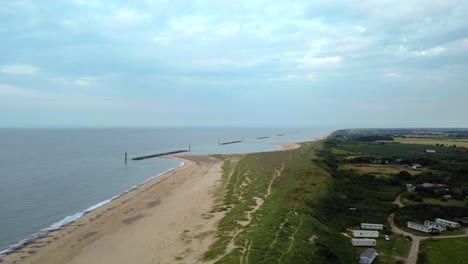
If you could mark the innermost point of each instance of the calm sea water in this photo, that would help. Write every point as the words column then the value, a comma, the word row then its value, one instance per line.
column 49, row 177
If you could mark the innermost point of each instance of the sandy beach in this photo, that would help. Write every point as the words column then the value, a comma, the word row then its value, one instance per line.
column 159, row 222
column 165, row 220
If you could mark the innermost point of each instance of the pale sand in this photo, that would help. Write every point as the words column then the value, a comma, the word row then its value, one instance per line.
column 287, row 146
column 160, row 222
column 163, row 221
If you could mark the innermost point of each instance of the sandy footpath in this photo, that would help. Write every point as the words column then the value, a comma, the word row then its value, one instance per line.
column 162, row 221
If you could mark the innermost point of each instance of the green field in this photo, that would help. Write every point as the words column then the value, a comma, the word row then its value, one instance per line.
column 451, row 250
column 387, row 170
column 391, row 149
column 459, row 142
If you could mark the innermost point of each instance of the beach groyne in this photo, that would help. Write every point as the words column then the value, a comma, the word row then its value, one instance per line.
column 160, row 154
column 230, row 142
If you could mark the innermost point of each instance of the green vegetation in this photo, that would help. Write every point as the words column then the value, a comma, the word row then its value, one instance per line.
column 272, row 200
column 452, row 250
column 294, row 206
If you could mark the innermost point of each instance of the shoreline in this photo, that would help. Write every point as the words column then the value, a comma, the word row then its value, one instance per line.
column 36, row 249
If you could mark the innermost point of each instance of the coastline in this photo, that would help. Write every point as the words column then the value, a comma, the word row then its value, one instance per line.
column 127, row 217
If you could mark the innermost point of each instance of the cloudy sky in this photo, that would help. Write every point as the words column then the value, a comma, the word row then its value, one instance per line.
column 238, row 63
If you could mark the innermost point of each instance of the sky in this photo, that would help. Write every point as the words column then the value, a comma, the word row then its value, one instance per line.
column 340, row 64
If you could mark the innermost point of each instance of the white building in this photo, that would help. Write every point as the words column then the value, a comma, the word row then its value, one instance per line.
column 436, row 225
column 368, row 256
column 363, row 242
column 419, row 227
column 365, row 233
column 370, row 226
column 447, row 223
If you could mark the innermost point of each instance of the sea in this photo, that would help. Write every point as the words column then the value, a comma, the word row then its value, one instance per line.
column 50, row 176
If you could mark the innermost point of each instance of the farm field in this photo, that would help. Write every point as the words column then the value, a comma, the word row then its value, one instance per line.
column 452, row 250
column 377, row 169
column 451, row 202
column 391, row 149
column 462, row 142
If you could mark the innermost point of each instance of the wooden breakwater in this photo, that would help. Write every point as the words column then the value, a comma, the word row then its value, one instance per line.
column 230, row 142
column 160, row 154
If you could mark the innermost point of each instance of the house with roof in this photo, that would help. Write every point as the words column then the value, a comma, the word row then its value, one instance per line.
column 436, row 225
column 415, row 166
column 368, row 256
column 363, row 242
column 365, row 233
column 370, row 226
column 422, row 228
column 447, row 224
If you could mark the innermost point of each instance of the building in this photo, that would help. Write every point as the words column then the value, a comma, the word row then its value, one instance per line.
column 368, row 256
column 410, row 187
column 415, row 165
column 436, row 225
column 365, row 233
column 430, row 151
column 449, row 224
column 370, row 226
column 422, row 228
column 363, row 242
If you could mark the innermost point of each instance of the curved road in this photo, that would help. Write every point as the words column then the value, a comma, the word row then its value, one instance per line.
column 413, row 254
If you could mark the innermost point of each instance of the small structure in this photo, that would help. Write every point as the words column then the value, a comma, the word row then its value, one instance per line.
column 365, row 233
column 368, row 256
column 370, row 226
column 410, row 187
column 415, row 166
column 447, row 223
column 463, row 221
column 422, row 228
column 430, row 151
column 363, row 242
column 435, row 225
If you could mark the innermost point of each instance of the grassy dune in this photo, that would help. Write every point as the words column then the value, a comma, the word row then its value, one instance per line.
column 269, row 201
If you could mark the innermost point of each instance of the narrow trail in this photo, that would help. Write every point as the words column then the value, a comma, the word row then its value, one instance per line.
column 258, row 204
column 292, row 237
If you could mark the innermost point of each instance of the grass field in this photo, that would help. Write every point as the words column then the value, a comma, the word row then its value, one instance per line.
column 463, row 142
column 377, row 169
column 452, row 250
column 391, row 149
column 451, row 202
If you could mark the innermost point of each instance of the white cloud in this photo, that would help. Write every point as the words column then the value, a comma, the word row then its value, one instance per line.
column 423, row 52
column 320, row 61
column 391, row 75
column 18, row 69
column 84, row 82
